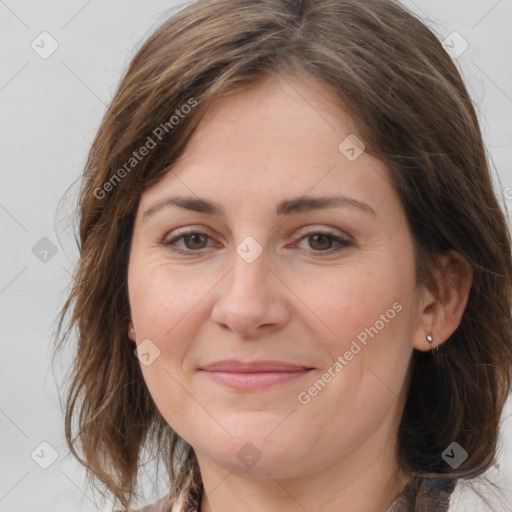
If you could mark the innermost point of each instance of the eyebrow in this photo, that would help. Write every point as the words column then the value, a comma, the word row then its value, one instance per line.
column 285, row 207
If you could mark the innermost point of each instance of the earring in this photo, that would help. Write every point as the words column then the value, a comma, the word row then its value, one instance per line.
column 430, row 339
column 132, row 330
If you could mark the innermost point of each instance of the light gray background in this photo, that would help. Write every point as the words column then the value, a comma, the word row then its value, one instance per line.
column 50, row 109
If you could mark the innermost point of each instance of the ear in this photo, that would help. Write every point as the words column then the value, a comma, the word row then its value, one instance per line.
column 440, row 312
column 131, row 331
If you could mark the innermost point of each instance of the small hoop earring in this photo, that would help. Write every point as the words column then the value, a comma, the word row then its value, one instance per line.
column 133, row 330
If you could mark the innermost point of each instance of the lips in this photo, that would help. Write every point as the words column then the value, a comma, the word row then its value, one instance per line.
column 233, row 365
column 255, row 375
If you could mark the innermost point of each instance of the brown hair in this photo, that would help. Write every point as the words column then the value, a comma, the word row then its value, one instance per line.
column 391, row 73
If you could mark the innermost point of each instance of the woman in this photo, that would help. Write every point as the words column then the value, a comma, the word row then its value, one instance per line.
column 287, row 215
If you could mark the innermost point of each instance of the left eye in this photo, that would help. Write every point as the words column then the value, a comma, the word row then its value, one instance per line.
column 323, row 242
column 320, row 241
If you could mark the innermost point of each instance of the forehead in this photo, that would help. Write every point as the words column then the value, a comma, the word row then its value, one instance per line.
column 296, row 109
column 282, row 136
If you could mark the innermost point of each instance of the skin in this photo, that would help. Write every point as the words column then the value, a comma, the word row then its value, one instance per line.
column 295, row 302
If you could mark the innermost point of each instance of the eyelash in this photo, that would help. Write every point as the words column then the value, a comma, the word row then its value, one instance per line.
column 342, row 243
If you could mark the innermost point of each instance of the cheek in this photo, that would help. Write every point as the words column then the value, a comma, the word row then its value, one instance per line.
column 366, row 316
column 365, row 330
column 370, row 310
column 346, row 301
column 164, row 300
column 167, row 308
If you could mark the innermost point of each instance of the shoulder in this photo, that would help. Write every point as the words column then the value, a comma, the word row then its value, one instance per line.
column 190, row 493
column 162, row 505
column 478, row 495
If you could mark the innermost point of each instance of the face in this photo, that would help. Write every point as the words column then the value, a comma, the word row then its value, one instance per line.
column 270, row 243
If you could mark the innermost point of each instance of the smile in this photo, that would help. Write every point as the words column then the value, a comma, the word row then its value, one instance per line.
column 254, row 381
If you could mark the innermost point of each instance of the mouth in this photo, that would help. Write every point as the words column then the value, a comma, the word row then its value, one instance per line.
column 256, row 380
column 254, row 376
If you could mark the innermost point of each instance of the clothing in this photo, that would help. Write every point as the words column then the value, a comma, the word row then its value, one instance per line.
column 420, row 495
column 424, row 495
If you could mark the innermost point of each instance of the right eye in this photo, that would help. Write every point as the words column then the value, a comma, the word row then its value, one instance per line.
column 191, row 241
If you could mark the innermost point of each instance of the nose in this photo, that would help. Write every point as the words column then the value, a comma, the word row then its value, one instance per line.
column 251, row 300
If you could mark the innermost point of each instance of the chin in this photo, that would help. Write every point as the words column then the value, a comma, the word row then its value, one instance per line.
column 255, row 454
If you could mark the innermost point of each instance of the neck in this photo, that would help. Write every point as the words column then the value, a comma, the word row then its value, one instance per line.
column 353, row 486
column 363, row 476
